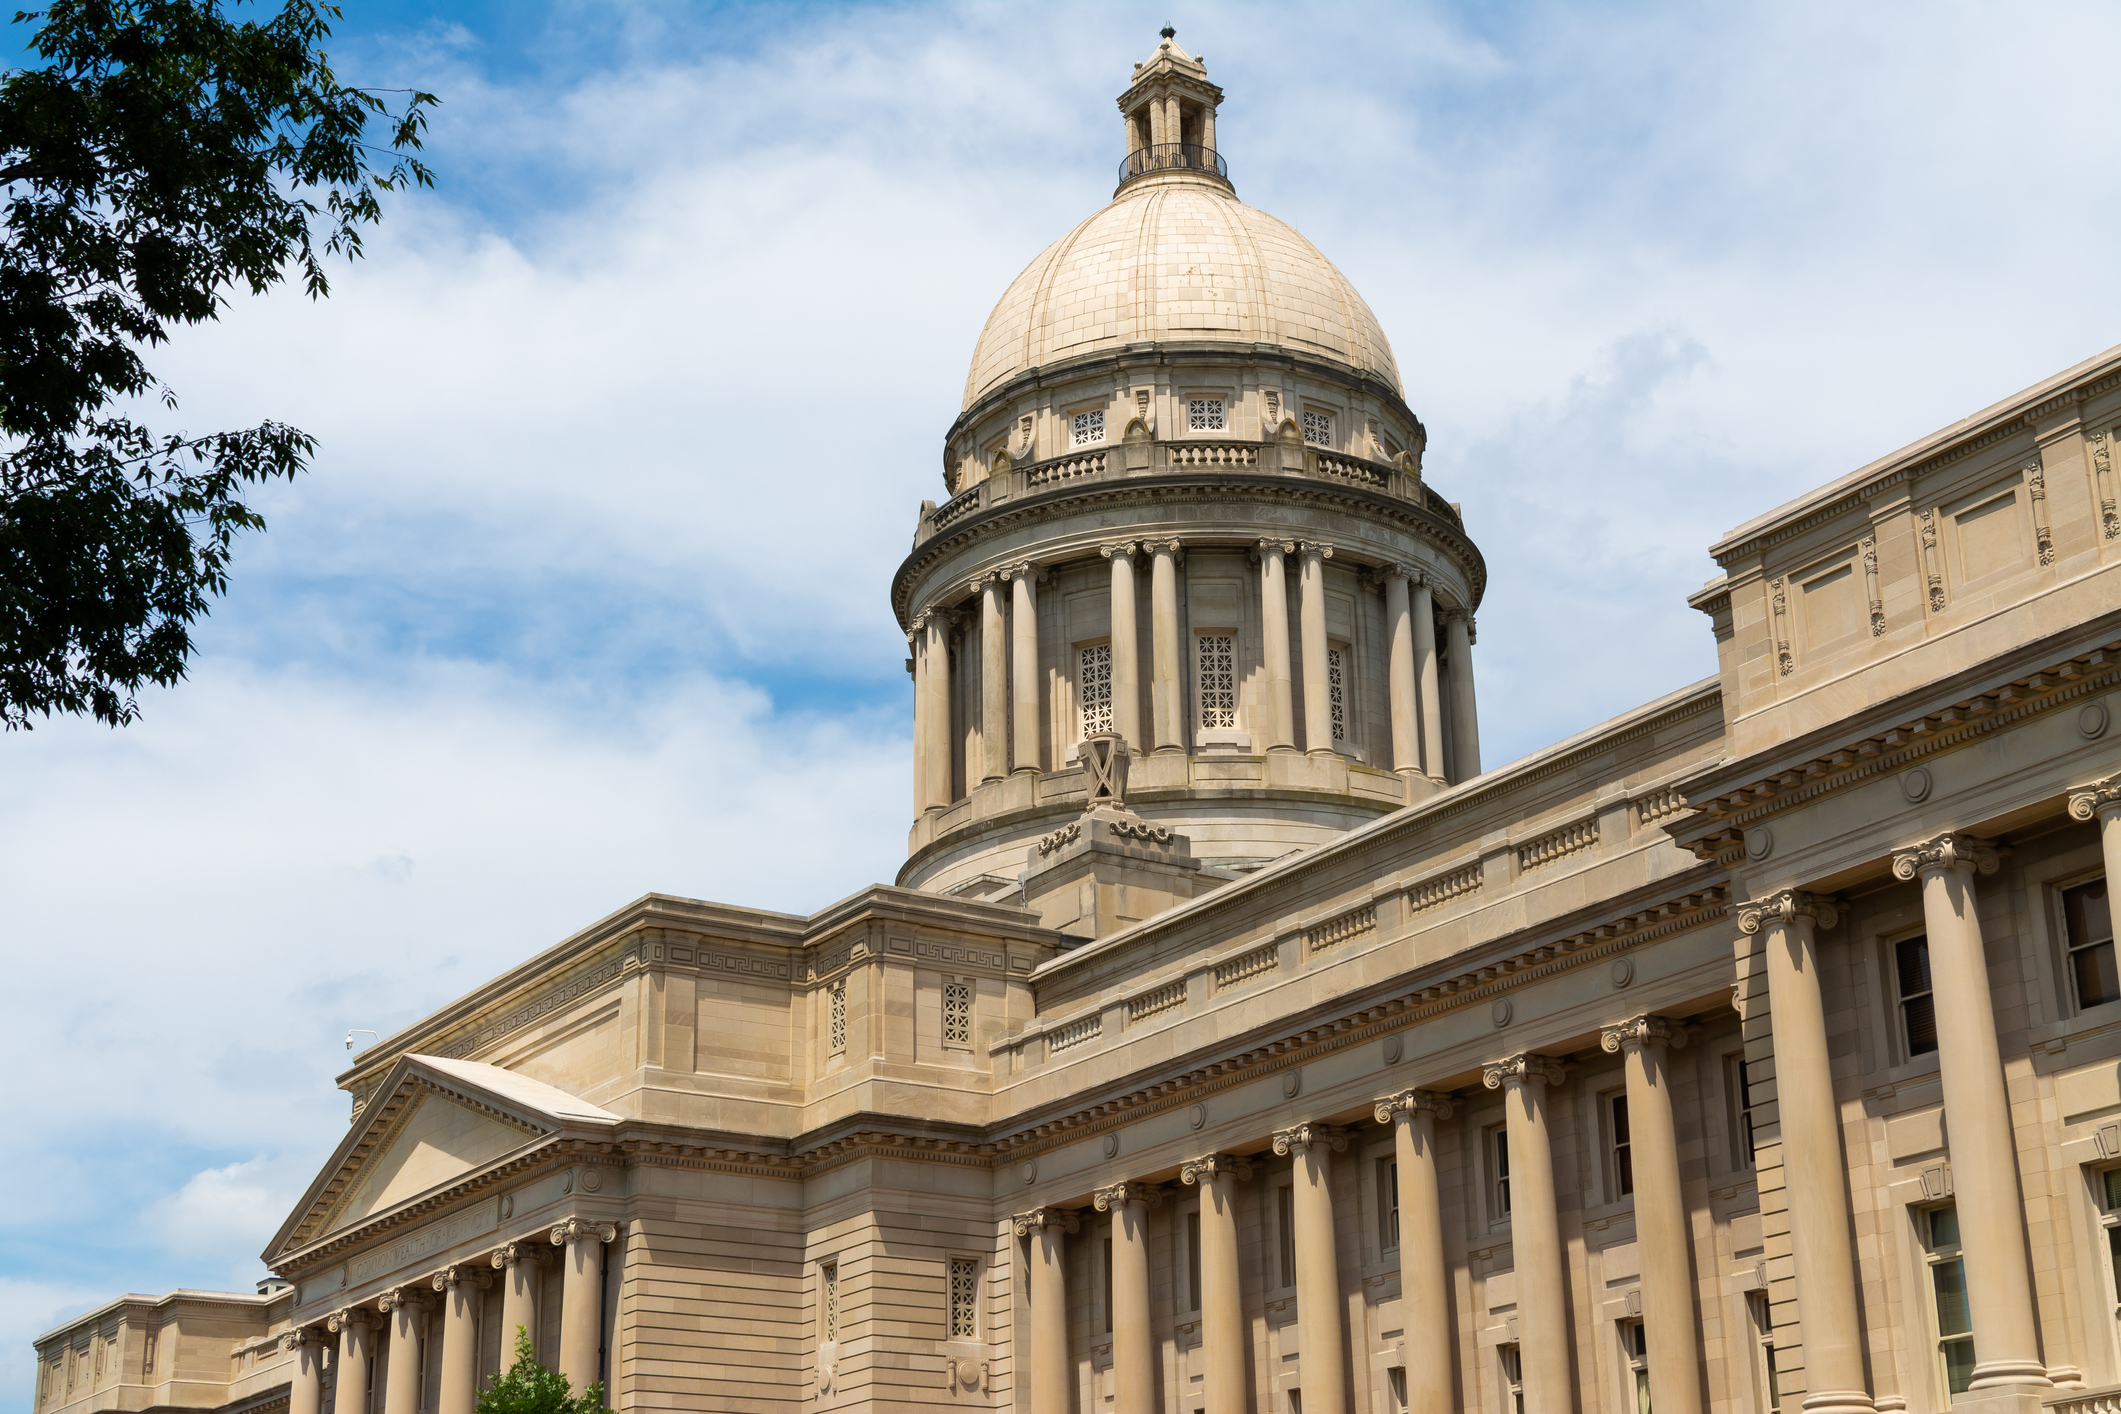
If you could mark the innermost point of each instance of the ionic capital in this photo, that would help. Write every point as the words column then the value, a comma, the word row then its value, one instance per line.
column 409, row 1298
column 1211, row 1166
column 1120, row 550
column 1170, row 545
column 2097, row 800
column 1310, row 1136
column 983, row 582
column 1947, row 851
column 1042, row 1219
column 1412, row 574
column 1132, row 1192
column 1465, row 616
column 1275, row 547
column 523, row 1249
column 1024, row 570
column 464, row 1274
column 353, row 1318
column 1314, row 550
column 582, row 1230
column 1789, row 906
column 294, row 1340
column 1524, row 1068
column 1411, row 1104
column 1639, row 1031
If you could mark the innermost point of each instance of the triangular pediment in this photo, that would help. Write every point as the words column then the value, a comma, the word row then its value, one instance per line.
column 435, row 1141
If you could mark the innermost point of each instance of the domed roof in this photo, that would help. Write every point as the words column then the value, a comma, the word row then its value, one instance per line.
column 1177, row 258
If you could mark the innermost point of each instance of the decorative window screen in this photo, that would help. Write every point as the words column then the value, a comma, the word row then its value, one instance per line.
column 957, row 1014
column 1217, row 674
column 1337, row 692
column 1205, row 415
column 1093, row 685
column 829, row 1278
column 1318, row 429
column 964, row 1298
column 837, row 994
column 1087, row 429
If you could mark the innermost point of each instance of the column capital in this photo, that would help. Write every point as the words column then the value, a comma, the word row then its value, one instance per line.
column 522, row 1249
column 1947, row 851
column 1789, row 906
column 1022, row 569
column 2099, row 799
column 293, row 1341
column 1271, row 546
column 1314, row 549
column 1411, row 1104
column 1310, row 1136
column 469, row 1274
column 353, row 1318
column 1041, row 1219
column 1464, row 616
column 1412, row 574
column 580, row 1229
column 1522, row 1069
column 1209, row 1166
column 409, row 1298
column 1166, row 545
column 1118, row 550
column 1126, row 1193
column 1640, row 1031
column 983, row 581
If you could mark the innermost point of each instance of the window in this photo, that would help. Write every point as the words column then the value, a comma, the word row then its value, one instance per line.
column 1087, row 429
column 964, row 1298
column 1093, row 682
column 1756, row 1305
column 1396, row 1384
column 828, row 1275
column 1918, row 1009
column 1388, row 1204
column 1205, row 415
column 1318, row 428
column 1623, row 1154
column 2091, row 943
column 1337, row 692
column 1193, row 1260
column 1744, row 1148
column 1285, row 1210
column 1955, row 1327
column 957, row 1014
column 1216, row 661
column 837, row 992
column 1635, row 1349
column 1499, row 1145
column 2110, row 1219
column 1512, row 1375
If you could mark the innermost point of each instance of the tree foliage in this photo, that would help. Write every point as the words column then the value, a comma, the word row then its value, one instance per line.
column 161, row 154
column 529, row 1388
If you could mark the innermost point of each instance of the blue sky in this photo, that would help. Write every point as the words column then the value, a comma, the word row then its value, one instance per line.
column 624, row 427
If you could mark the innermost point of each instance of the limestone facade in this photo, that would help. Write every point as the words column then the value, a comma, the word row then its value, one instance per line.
column 1759, row 1048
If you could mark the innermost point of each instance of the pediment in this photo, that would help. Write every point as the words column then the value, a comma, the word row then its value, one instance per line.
column 436, row 1140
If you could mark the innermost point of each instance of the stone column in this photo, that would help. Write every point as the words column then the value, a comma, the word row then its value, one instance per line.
column 1207, row 127
column 1030, row 720
column 1048, row 1375
column 1814, row 1173
column 405, row 1308
column 1535, row 1233
column 993, row 681
column 1425, row 669
column 517, row 1263
column 1126, row 649
column 1311, row 620
column 1977, row 1114
column 1274, row 631
column 355, row 1328
column 936, row 658
column 1465, row 717
column 1166, row 687
column 1319, row 1320
column 1670, row 1323
column 581, row 1297
column 917, row 653
column 459, row 1287
column 1424, row 1277
column 305, row 1388
column 1225, row 1352
column 1133, row 1347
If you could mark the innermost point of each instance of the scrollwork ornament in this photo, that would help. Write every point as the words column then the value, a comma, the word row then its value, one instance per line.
column 1786, row 907
column 1309, row 1136
column 2089, row 802
column 464, row 1274
column 1639, row 1031
column 352, row 1318
column 1522, row 1069
column 1039, row 1219
column 582, row 1229
column 294, row 1340
column 1946, row 851
column 1118, row 550
column 409, row 1298
column 1212, row 1166
column 1126, row 1194
column 1410, row 1104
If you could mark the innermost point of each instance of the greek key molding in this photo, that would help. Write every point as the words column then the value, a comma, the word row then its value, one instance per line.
column 1125, row 1193
column 1310, row 1136
column 1639, row 1031
column 1947, row 851
column 1041, row 1219
column 1524, row 1068
column 1213, row 1166
column 1412, row 1104
column 2089, row 802
column 1789, row 906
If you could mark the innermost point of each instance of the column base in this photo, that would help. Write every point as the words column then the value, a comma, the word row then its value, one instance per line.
column 1169, row 748
column 2009, row 1374
column 1321, row 751
column 1025, row 771
column 1283, row 749
column 1839, row 1401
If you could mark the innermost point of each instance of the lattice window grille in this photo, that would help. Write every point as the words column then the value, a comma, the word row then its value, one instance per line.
column 957, row 1014
column 964, row 1298
column 1206, row 415
column 1094, row 688
column 1218, row 679
column 1318, row 429
column 837, row 993
column 1337, row 692
column 1087, row 429
column 830, row 1275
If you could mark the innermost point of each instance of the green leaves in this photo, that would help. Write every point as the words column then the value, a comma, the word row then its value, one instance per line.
column 529, row 1388
column 162, row 154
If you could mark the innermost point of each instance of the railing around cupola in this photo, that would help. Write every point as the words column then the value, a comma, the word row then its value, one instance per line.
column 1172, row 157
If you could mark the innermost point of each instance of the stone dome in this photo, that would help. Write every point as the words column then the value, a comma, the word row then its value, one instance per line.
column 1177, row 258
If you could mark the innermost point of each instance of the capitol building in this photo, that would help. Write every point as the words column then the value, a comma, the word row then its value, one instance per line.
column 1234, row 1039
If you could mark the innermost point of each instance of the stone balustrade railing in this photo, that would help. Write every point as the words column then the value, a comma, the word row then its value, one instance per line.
column 2086, row 1401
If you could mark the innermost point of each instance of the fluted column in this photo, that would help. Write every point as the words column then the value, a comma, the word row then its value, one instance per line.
column 459, row 1287
column 1814, row 1174
column 355, row 1328
column 1126, row 647
column 1225, row 1351
column 1425, row 672
column 1319, row 1320
column 1400, row 679
column 1670, row 1323
column 581, row 1297
column 935, row 628
column 305, row 1386
column 1166, row 688
column 1274, row 632
column 1465, row 714
column 517, row 1262
column 1311, row 620
column 1023, row 611
column 1133, row 1348
column 1535, row 1232
column 406, row 1309
column 1977, row 1113
column 1424, row 1278
column 993, row 681
column 1051, row 1374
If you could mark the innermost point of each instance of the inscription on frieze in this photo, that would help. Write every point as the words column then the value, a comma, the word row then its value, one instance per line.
column 426, row 1242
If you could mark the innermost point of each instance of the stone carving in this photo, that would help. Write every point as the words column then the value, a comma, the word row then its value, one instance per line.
column 1207, row 1166
column 2103, row 475
column 1947, row 851
column 409, row 1298
column 1408, row 1104
column 1060, row 839
column 2036, row 492
column 1039, row 1219
column 1524, row 1068
column 1118, row 550
column 1104, row 757
column 1639, row 1031
column 1931, row 572
column 1786, row 907
column 582, row 1229
column 523, row 1249
column 465, row 1274
column 1142, row 830
column 1120, row 1195
column 1309, row 1136
column 352, row 1318
column 2096, row 800
column 1870, row 585
column 1780, row 599
column 294, row 1340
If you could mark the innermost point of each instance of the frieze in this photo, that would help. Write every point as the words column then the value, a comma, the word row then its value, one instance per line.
column 960, row 955
column 580, row 985
column 425, row 1243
